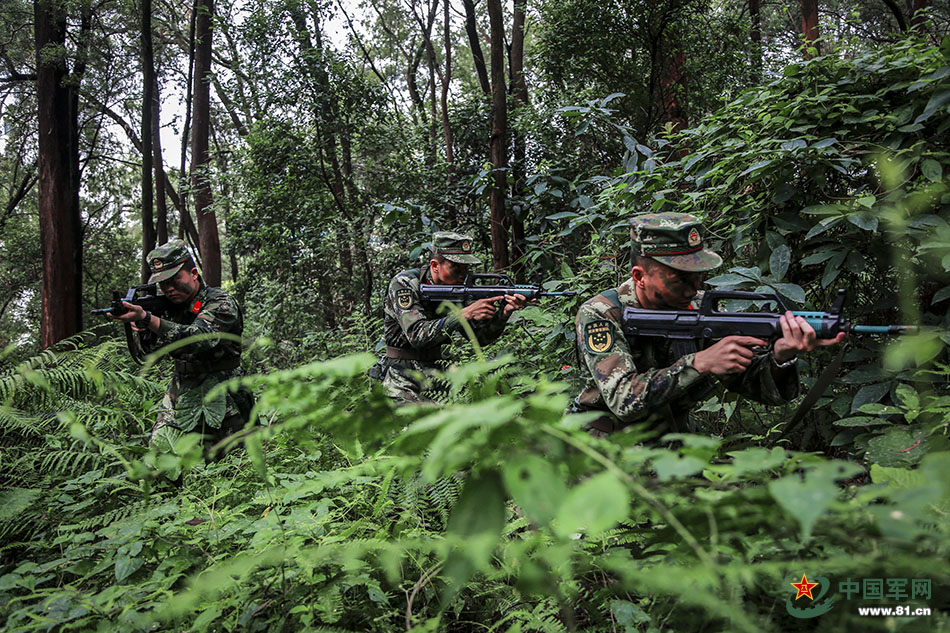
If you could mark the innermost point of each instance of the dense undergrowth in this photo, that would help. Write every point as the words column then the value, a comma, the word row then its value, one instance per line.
column 493, row 513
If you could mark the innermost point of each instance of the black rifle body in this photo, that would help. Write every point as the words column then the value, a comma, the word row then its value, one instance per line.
column 709, row 324
column 474, row 289
column 148, row 298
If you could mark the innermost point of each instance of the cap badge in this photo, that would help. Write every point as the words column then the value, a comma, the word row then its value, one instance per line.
column 466, row 246
column 156, row 264
column 694, row 238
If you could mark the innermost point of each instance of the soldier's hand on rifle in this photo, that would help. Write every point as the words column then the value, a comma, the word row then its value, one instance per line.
column 730, row 355
column 797, row 337
column 481, row 309
column 133, row 313
column 514, row 302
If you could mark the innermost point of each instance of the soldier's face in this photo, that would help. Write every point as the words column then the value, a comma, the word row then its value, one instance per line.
column 448, row 273
column 660, row 287
column 182, row 287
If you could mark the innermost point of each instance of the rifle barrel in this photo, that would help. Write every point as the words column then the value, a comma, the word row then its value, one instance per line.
column 884, row 329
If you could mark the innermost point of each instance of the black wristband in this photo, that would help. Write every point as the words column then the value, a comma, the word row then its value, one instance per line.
column 142, row 324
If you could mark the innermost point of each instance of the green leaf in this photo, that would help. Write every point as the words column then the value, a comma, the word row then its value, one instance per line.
column 206, row 618
column 628, row 615
column 805, row 501
column 561, row 215
column 861, row 420
column 897, row 477
column 199, row 405
column 475, row 526
column 757, row 459
column 828, row 142
column 936, row 101
column 536, row 486
column 819, row 256
column 757, row 166
column 897, row 447
column 876, row 408
column 779, row 261
column 593, row 506
column 868, row 394
column 255, row 451
column 907, row 397
column 125, row 566
column 672, row 466
column 941, row 295
column 931, row 170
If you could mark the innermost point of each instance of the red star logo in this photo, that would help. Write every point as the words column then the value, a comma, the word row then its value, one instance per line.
column 804, row 587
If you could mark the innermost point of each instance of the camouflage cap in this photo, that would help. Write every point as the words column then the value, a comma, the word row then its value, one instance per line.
column 166, row 260
column 455, row 247
column 674, row 239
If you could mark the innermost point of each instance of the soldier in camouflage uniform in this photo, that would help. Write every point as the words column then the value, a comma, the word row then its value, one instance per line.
column 415, row 332
column 657, row 381
column 196, row 309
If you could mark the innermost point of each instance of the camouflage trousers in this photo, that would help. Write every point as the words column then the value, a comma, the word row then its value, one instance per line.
column 410, row 381
column 186, row 409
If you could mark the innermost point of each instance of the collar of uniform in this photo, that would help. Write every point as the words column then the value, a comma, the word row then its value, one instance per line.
column 627, row 294
column 199, row 297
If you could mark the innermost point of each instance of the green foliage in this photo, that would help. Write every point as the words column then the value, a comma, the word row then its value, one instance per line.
column 338, row 512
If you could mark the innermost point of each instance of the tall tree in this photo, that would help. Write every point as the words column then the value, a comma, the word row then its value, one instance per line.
column 917, row 19
column 161, row 181
column 809, row 24
column 148, row 84
column 499, row 137
column 208, row 242
column 58, row 172
column 519, row 91
column 471, row 29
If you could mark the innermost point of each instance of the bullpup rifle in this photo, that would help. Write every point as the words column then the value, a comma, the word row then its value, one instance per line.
column 708, row 323
column 146, row 296
column 482, row 285
column 692, row 329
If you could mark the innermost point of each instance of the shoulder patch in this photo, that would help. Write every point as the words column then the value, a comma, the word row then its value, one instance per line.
column 599, row 336
column 404, row 298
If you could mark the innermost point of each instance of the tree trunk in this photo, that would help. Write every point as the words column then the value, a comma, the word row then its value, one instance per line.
column 186, row 226
column 471, row 29
column 446, row 126
column 161, row 206
column 519, row 90
column 755, row 34
column 208, row 243
column 917, row 21
column 897, row 13
column 148, row 70
column 58, row 180
column 499, row 133
column 809, row 25
column 673, row 91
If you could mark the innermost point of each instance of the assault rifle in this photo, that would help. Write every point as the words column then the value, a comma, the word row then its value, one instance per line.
column 475, row 288
column 146, row 296
column 690, row 328
column 708, row 323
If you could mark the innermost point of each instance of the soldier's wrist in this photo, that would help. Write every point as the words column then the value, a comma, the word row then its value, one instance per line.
column 144, row 322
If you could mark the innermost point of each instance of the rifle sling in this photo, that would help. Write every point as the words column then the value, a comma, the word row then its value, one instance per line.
column 821, row 385
column 193, row 368
column 423, row 355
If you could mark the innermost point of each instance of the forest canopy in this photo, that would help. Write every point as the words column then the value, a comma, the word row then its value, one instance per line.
column 306, row 152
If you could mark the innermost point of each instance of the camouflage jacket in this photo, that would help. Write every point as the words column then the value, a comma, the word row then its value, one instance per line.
column 643, row 380
column 409, row 323
column 212, row 310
